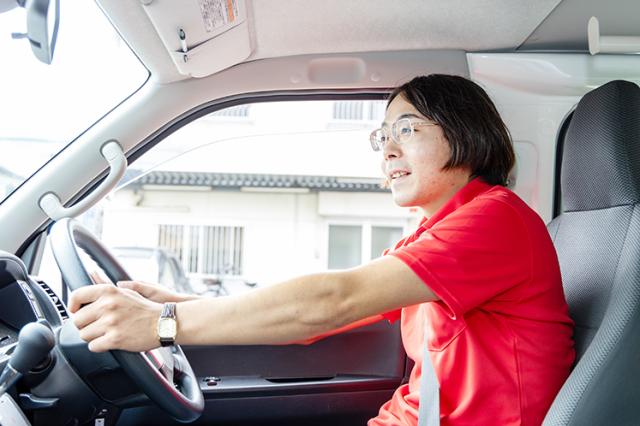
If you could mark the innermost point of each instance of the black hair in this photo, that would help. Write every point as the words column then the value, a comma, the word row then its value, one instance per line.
column 477, row 136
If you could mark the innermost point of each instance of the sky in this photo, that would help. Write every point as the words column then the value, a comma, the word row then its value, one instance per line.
column 43, row 107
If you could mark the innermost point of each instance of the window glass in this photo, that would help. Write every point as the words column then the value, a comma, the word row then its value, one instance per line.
column 383, row 237
column 166, row 276
column 44, row 107
column 143, row 265
column 254, row 195
column 345, row 246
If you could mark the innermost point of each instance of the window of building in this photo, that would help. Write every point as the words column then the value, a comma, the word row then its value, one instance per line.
column 382, row 238
column 345, row 246
column 353, row 245
column 359, row 110
column 239, row 111
column 205, row 250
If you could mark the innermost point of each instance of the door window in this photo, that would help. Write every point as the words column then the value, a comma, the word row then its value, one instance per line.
column 242, row 197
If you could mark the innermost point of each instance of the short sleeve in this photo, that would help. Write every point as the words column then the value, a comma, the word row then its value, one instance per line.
column 395, row 315
column 392, row 316
column 476, row 254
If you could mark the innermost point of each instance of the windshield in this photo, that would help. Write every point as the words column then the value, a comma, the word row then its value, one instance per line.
column 44, row 107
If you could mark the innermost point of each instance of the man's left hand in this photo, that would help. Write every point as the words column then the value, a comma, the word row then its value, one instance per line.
column 109, row 318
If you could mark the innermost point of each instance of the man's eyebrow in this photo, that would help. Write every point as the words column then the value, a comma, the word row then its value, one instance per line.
column 406, row 115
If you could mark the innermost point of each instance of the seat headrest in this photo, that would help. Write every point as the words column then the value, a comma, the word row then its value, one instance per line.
column 601, row 158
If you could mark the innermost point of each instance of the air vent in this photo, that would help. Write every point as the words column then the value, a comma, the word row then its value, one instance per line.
column 62, row 310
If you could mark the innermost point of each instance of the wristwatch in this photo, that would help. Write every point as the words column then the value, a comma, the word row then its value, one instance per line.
column 167, row 325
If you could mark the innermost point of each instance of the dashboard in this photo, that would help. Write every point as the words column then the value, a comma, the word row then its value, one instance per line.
column 71, row 385
column 22, row 300
column 8, row 336
column 18, row 304
column 67, row 383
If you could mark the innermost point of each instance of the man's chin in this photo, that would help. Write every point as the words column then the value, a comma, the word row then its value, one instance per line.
column 402, row 201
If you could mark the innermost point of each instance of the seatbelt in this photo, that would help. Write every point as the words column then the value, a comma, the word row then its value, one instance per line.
column 429, row 404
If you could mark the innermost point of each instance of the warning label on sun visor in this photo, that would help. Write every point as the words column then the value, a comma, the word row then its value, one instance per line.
column 218, row 13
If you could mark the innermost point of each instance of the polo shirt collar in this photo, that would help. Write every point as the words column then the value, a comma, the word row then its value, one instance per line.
column 467, row 193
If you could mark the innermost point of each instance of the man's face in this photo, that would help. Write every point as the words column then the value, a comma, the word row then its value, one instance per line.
column 414, row 168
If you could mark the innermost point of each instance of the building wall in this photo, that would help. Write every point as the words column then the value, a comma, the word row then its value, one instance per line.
column 285, row 234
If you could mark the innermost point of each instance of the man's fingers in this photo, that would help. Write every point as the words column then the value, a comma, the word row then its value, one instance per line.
column 134, row 286
column 92, row 332
column 86, row 316
column 138, row 287
column 132, row 293
column 88, row 294
column 101, row 344
column 109, row 317
column 131, row 285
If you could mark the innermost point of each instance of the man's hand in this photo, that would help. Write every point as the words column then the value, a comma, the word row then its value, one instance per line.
column 156, row 292
column 115, row 318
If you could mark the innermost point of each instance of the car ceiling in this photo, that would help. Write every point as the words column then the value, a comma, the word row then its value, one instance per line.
column 295, row 27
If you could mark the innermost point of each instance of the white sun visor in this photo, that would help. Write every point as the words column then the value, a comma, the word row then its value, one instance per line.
column 202, row 36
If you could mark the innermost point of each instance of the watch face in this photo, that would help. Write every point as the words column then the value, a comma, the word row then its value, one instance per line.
column 167, row 328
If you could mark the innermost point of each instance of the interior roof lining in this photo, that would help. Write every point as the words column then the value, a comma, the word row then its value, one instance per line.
column 335, row 26
column 566, row 28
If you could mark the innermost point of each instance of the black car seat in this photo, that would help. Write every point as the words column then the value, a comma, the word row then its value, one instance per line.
column 597, row 237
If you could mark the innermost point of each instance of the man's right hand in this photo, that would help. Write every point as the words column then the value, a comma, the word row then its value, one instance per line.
column 156, row 292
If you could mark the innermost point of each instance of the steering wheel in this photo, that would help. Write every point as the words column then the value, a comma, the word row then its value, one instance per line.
column 165, row 374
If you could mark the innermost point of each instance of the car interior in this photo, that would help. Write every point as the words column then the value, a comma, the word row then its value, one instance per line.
column 103, row 103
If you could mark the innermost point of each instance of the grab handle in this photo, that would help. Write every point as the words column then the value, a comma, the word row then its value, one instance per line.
column 112, row 152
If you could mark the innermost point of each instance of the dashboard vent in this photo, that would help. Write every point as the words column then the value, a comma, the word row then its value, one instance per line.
column 62, row 310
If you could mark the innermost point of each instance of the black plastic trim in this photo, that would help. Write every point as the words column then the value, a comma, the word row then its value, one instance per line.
column 557, row 185
column 243, row 387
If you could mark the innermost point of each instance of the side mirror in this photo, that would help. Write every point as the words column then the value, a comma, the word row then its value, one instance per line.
column 42, row 25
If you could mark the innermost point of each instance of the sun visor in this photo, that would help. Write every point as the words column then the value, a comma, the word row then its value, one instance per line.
column 202, row 36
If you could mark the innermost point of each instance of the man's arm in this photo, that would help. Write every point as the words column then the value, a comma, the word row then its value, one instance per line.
column 302, row 307
column 363, row 322
column 294, row 310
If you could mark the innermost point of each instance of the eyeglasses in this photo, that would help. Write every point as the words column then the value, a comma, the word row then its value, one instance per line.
column 401, row 131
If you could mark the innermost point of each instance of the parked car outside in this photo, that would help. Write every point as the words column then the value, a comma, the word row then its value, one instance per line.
column 154, row 265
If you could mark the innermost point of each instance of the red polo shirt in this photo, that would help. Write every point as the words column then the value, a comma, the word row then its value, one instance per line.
column 500, row 335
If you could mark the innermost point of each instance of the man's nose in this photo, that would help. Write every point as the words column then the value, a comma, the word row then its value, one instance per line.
column 390, row 150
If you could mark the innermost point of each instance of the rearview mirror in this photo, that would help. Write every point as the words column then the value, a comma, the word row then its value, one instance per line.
column 42, row 27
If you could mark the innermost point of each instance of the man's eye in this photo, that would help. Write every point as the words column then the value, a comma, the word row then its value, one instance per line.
column 405, row 130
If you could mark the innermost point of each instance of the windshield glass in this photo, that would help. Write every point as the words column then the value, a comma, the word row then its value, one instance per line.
column 44, row 107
